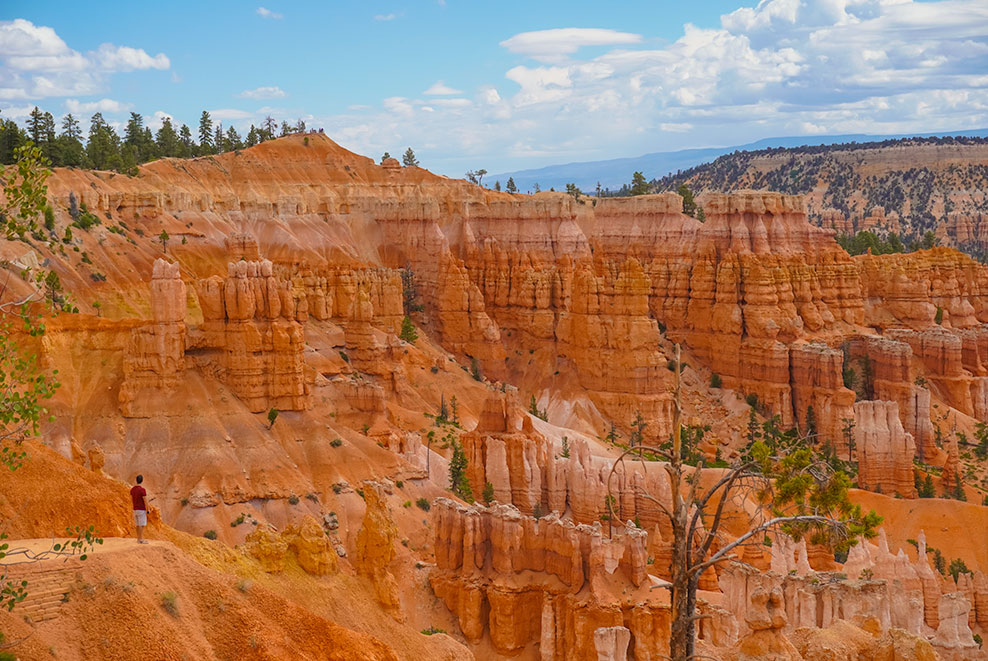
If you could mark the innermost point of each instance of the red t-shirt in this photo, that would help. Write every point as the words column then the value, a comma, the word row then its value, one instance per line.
column 137, row 496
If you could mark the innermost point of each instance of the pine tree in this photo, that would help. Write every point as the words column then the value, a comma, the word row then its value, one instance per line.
column 233, row 141
column 219, row 139
column 458, row 482
column 252, row 137
column 285, row 129
column 268, row 127
column 70, row 127
column 187, row 147
column 408, row 332
column 408, row 159
column 300, row 126
column 639, row 186
column 167, row 139
column 103, row 147
column 497, row 185
column 385, row 156
column 510, row 187
column 34, row 125
column 206, row 145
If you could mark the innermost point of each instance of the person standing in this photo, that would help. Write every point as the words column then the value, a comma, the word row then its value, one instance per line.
column 139, row 499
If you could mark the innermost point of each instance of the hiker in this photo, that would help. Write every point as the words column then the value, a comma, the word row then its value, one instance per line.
column 138, row 496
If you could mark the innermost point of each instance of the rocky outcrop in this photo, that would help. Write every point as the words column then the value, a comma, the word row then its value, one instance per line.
column 313, row 549
column 524, row 579
column 953, row 640
column 885, row 450
column 817, row 384
column 889, row 362
column 154, row 360
column 251, row 334
column 765, row 616
column 375, row 548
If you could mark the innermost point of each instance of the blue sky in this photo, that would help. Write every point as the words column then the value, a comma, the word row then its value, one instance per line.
column 509, row 85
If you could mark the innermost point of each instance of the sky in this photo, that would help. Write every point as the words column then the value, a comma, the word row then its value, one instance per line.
column 508, row 85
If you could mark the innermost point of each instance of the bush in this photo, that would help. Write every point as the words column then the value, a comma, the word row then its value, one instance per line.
column 715, row 380
column 169, row 601
column 408, row 332
column 423, row 504
column 752, row 400
column 336, row 442
column 432, row 630
column 337, row 487
column 244, row 585
column 400, row 484
column 49, row 219
column 209, row 534
column 293, row 500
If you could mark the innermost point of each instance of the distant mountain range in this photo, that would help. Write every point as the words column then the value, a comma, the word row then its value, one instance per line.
column 615, row 172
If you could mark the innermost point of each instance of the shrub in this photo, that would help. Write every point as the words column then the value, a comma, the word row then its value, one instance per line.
column 336, row 442
column 293, row 499
column 209, row 534
column 311, row 496
column 346, row 358
column 488, row 493
column 337, row 487
column 400, row 484
column 408, row 332
column 240, row 519
column 169, row 601
column 715, row 380
column 243, row 585
column 752, row 400
column 432, row 630
column 406, row 504
column 49, row 218
column 423, row 504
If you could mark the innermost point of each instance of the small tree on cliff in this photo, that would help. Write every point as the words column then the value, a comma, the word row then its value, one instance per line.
column 511, row 187
column 272, row 416
column 408, row 332
column 163, row 237
column 458, row 482
column 639, row 186
column 408, row 159
column 796, row 493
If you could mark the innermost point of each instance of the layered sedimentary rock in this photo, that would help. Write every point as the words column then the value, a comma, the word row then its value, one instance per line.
column 312, row 548
column 251, row 326
column 885, row 450
column 154, row 361
column 817, row 384
column 375, row 548
column 524, row 579
column 765, row 616
column 953, row 640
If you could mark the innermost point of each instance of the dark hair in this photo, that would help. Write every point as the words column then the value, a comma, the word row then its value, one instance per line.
column 140, row 478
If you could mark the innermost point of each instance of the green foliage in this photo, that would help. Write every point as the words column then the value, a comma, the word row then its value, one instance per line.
column 565, row 451
column 409, row 292
column 850, row 376
column 716, row 381
column 335, row 443
column 510, row 186
column 293, row 500
column 977, row 639
column 408, row 332
column 169, row 600
column 475, row 370
column 957, row 567
column 866, row 241
column 690, row 438
column 533, row 408
column 209, row 534
column 639, row 186
column 433, row 630
column 638, row 426
column 458, row 482
column 487, row 495
column 690, row 206
column 752, row 400
column 981, row 434
column 612, row 435
column 925, row 488
column 272, row 416
column 408, row 159
column 24, row 191
column 938, row 318
column 163, row 237
column 49, row 218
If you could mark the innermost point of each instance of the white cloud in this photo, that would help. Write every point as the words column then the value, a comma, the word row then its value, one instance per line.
column 439, row 88
column 385, row 17
column 274, row 92
column 267, row 13
column 36, row 63
column 103, row 105
column 124, row 58
column 551, row 45
column 230, row 113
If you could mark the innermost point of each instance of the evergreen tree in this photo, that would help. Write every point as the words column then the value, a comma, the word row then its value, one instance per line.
column 458, row 482
column 300, row 126
column 34, row 125
column 11, row 137
column 408, row 332
column 134, row 136
column 638, row 184
column 497, row 185
column 268, row 127
column 187, row 147
column 408, row 159
column 252, row 137
column 285, row 129
column 233, row 141
column 689, row 204
column 385, row 156
column 219, row 139
column 70, row 127
column 167, row 139
column 103, row 147
column 510, row 187
column 206, row 145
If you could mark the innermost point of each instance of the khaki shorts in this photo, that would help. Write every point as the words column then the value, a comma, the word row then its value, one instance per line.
column 140, row 518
